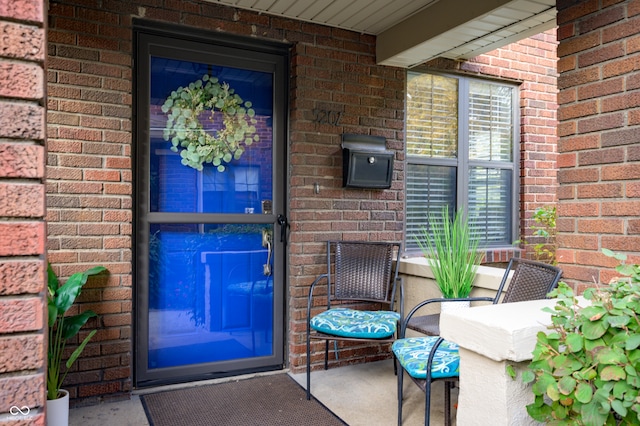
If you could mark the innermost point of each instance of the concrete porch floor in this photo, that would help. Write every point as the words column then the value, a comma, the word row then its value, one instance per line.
column 363, row 394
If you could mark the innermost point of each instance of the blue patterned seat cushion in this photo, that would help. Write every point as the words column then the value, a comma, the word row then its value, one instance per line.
column 413, row 354
column 353, row 323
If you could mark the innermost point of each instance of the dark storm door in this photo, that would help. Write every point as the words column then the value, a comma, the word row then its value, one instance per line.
column 210, row 200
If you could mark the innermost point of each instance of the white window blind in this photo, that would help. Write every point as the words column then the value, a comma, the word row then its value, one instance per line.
column 429, row 189
column 432, row 116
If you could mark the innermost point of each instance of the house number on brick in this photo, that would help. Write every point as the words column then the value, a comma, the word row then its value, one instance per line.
column 323, row 116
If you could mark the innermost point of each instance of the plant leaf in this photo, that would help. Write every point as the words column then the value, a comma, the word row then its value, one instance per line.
column 574, row 342
column 566, row 385
column 584, row 393
column 591, row 414
column 67, row 293
column 79, row 349
column 594, row 329
column 612, row 372
column 73, row 324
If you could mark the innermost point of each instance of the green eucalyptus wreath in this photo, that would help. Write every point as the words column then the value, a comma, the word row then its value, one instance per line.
column 189, row 107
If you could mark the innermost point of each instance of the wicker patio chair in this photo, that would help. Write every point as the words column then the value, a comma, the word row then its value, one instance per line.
column 531, row 280
column 357, row 272
column 431, row 358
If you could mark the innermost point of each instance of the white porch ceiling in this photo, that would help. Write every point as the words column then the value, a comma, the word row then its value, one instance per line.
column 410, row 32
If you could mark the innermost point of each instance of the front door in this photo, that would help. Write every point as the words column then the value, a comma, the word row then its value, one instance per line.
column 210, row 203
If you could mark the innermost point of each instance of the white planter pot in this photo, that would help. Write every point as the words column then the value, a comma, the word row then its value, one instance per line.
column 454, row 306
column 58, row 410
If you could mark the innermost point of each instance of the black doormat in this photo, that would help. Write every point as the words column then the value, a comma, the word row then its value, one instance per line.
column 267, row 400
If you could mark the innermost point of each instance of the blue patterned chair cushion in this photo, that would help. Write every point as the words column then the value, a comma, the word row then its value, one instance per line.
column 413, row 354
column 353, row 323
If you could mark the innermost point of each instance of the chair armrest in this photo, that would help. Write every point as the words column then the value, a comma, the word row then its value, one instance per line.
column 310, row 297
column 403, row 327
column 400, row 287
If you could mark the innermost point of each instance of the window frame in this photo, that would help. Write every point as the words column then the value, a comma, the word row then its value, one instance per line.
column 462, row 163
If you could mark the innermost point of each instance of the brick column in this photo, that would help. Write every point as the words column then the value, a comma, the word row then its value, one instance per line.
column 22, row 210
column 599, row 160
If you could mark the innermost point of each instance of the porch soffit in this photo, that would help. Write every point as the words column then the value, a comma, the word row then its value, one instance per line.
column 411, row 32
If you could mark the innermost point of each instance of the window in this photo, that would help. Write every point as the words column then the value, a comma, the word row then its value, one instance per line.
column 462, row 141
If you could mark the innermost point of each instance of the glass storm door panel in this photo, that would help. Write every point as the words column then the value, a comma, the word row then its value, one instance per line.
column 210, row 255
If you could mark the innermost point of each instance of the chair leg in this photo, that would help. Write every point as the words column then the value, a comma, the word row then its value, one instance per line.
column 326, row 354
column 447, row 402
column 308, row 367
column 427, row 403
column 400, row 388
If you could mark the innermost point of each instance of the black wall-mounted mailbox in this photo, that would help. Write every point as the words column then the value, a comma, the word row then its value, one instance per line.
column 366, row 162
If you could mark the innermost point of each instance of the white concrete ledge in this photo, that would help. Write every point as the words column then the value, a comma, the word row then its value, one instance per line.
column 420, row 285
column 500, row 332
column 488, row 277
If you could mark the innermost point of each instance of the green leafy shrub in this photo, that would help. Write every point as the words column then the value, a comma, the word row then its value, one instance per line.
column 545, row 228
column 586, row 370
column 545, row 219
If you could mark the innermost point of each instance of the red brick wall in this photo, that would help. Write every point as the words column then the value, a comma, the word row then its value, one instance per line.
column 599, row 196
column 335, row 70
column 22, row 211
column 89, row 188
column 89, row 125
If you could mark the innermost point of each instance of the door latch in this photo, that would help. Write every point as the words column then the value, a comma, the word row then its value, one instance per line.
column 284, row 224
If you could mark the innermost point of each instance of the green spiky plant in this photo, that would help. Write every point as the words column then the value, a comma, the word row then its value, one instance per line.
column 63, row 328
column 452, row 252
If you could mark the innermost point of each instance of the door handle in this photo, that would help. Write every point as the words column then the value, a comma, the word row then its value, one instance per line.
column 284, row 224
column 267, row 240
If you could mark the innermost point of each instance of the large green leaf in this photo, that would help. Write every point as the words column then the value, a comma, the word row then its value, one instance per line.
column 79, row 349
column 584, row 392
column 619, row 407
column 618, row 321
column 632, row 342
column 592, row 415
column 612, row 372
column 67, row 293
column 544, row 380
column 593, row 313
column 528, row 376
column 73, row 324
column 52, row 312
column 611, row 355
column 566, row 385
column 594, row 329
column 52, row 281
column 574, row 342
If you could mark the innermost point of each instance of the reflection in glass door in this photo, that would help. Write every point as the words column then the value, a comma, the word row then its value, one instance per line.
column 209, row 270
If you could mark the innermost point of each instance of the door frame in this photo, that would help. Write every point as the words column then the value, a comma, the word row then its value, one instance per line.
column 147, row 37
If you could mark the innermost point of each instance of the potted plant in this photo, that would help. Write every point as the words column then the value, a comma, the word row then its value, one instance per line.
column 452, row 252
column 586, row 370
column 61, row 329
